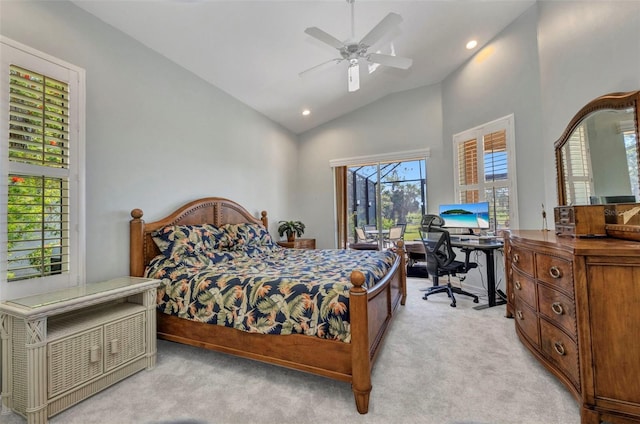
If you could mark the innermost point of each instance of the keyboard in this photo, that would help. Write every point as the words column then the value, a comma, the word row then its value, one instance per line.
column 464, row 237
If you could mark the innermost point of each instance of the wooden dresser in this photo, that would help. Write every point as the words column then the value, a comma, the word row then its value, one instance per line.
column 576, row 305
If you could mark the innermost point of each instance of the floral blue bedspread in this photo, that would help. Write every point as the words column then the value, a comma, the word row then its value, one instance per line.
column 269, row 290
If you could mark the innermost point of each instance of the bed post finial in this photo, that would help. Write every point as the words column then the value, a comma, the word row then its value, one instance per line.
column 264, row 219
column 136, row 244
column 357, row 279
column 137, row 213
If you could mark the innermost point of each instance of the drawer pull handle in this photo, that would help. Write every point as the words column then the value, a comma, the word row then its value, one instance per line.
column 517, row 285
column 557, row 308
column 115, row 346
column 520, row 315
column 516, row 258
column 555, row 272
column 94, row 354
column 559, row 348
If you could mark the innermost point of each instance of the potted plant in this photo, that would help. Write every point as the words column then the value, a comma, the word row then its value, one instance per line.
column 291, row 229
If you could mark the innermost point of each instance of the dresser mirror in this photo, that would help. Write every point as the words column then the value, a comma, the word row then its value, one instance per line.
column 597, row 155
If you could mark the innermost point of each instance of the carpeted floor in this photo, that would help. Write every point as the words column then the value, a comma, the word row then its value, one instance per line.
column 438, row 365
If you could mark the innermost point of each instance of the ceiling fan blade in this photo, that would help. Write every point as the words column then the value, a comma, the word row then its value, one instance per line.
column 354, row 77
column 313, row 68
column 326, row 38
column 388, row 60
column 378, row 31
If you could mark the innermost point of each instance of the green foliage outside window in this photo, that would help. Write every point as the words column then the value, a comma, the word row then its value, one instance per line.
column 34, row 225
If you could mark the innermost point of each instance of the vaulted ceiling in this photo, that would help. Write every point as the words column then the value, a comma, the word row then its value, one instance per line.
column 255, row 50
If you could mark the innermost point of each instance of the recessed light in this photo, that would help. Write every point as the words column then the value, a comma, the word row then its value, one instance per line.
column 306, row 112
column 471, row 44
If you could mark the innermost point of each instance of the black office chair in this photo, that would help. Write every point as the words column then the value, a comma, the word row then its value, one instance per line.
column 440, row 258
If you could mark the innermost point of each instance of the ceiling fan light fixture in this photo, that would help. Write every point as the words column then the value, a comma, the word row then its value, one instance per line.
column 354, row 77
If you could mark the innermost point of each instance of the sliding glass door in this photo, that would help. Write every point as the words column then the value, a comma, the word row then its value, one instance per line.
column 383, row 195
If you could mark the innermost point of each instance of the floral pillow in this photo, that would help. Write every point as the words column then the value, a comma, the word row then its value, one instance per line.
column 245, row 235
column 179, row 241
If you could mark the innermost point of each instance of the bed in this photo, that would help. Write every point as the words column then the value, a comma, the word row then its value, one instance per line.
column 346, row 356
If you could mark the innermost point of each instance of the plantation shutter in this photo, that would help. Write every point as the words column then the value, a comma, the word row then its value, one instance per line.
column 495, row 157
column 468, row 171
column 484, row 162
column 38, row 179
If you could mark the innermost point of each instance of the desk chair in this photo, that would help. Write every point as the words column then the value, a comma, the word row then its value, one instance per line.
column 441, row 258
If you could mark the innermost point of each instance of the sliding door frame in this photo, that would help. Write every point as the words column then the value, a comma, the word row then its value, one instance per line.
column 340, row 166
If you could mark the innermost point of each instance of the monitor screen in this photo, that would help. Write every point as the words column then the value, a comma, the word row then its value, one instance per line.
column 465, row 215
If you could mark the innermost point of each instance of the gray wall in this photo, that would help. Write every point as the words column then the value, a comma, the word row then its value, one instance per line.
column 586, row 49
column 157, row 136
column 502, row 78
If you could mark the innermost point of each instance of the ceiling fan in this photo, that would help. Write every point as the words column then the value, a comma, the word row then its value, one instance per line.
column 355, row 52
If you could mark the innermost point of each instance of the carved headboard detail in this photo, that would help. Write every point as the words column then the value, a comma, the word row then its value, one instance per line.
column 209, row 210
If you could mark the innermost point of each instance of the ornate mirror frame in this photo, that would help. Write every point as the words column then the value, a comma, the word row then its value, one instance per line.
column 615, row 101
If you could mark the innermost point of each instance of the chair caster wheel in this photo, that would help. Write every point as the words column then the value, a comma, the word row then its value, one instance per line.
column 425, row 297
column 475, row 300
column 453, row 305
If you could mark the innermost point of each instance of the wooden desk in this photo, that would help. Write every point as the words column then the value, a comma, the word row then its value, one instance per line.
column 299, row 243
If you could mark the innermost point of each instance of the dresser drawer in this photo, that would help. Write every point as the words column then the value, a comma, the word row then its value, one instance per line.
column 522, row 259
column 527, row 320
column 560, row 309
column 561, row 350
column 555, row 271
column 524, row 288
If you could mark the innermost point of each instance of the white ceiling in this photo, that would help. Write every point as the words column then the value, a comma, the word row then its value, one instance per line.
column 254, row 50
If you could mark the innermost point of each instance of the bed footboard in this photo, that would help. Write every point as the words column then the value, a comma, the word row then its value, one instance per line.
column 371, row 312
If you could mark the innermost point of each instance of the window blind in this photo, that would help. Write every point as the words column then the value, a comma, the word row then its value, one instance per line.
column 484, row 171
column 38, row 182
column 38, row 119
column 495, row 156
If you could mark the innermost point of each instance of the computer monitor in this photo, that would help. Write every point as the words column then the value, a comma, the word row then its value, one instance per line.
column 467, row 216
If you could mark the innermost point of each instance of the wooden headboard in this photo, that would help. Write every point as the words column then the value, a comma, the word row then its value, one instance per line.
column 209, row 210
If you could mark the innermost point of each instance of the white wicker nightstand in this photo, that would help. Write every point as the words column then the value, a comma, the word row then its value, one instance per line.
column 61, row 347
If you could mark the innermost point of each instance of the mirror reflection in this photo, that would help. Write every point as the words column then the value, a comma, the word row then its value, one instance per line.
column 598, row 159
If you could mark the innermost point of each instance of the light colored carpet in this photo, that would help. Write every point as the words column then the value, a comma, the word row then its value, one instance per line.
column 438, row 365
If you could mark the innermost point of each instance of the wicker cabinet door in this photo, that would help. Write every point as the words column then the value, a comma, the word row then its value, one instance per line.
column 74, row 360
column 124, row 340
